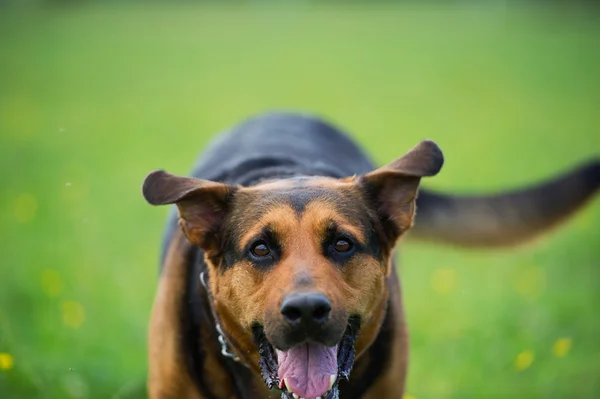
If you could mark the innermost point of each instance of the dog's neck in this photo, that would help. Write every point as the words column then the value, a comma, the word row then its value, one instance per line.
column 225, row 347
column 214, row 374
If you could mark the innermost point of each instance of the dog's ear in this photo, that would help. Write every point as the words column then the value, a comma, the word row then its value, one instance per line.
column 202, row 204
column 393, row 188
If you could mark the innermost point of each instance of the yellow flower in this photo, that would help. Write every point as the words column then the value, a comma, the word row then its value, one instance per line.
column 561, row 347
column 407, row 396
column 73, row 313
column 524, row 360
column 6, row 361
column 444, row 280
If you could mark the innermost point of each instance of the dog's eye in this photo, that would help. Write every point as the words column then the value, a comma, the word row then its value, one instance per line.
column 342, row 245
column 260, row 249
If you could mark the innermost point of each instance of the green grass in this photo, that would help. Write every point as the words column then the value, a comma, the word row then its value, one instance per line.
column 91, row 99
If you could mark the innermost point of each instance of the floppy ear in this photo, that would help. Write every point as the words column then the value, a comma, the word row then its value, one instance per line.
column 202, row 204
column 393, row 188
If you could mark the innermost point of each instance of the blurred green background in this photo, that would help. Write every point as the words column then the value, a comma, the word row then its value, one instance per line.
column 94, row 96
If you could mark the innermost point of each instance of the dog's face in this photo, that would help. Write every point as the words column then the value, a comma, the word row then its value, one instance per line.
column 298, row 266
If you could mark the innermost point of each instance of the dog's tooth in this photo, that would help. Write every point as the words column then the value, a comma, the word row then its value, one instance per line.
column 332, row 379
column 294, row 395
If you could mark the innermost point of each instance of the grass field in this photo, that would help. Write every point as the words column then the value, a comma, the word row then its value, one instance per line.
column 93, row 98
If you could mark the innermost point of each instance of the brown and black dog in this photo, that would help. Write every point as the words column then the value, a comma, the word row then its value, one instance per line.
column 280, row 280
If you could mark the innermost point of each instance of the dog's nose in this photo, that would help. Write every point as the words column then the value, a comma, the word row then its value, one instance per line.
column 306, row 310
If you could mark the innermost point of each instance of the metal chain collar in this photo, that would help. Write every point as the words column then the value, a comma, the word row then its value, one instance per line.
column 225, row 351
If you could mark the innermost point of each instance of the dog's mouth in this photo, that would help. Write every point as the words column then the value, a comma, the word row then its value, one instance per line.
column 309, row 370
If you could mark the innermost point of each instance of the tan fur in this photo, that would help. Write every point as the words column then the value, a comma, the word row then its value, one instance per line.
column 392, row 382
column 243, row 295
column 168, row 377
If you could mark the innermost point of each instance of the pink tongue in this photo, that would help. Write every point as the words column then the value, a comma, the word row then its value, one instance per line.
column 307, row 369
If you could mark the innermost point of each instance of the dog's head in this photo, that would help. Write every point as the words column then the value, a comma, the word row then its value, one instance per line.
column 298, row 266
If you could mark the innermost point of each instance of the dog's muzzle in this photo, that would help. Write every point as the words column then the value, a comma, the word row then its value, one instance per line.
column 307, row 370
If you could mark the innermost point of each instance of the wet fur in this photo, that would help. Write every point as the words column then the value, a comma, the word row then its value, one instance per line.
column 262, row 155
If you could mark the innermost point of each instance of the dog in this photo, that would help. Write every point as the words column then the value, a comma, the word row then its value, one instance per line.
column 278, row 276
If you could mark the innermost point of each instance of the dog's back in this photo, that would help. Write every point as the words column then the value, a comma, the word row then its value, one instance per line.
column 280, row 140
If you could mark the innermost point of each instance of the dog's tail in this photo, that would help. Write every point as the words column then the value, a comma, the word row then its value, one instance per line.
column 504, row 219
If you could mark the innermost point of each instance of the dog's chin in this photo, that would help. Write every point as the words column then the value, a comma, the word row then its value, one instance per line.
column 308, row 370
